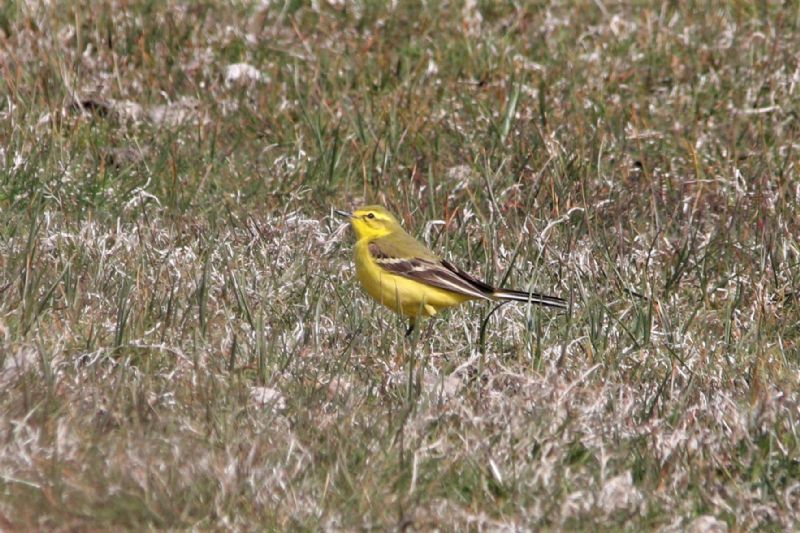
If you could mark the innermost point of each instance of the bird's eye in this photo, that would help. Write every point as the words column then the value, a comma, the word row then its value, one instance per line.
column 370, row 215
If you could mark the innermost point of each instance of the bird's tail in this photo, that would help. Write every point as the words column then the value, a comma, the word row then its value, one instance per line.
column 530, row 297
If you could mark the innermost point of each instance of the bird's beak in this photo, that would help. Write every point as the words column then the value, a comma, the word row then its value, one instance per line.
column 345, row 214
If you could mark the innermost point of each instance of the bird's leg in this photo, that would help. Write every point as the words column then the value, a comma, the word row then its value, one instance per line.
column 400, row 357
column 429, row 330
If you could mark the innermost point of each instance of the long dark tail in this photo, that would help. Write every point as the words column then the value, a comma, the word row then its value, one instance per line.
column 530, row 297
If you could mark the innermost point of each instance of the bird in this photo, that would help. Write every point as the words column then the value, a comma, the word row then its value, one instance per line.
column 403, row 274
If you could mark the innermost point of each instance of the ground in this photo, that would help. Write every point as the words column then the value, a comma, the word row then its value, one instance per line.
column 183, row 343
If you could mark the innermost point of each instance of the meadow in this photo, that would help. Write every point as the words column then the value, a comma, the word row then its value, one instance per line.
column 183, row 344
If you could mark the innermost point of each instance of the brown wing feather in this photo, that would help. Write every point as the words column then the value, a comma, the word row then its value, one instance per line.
column 482, row 285
column 434, row 272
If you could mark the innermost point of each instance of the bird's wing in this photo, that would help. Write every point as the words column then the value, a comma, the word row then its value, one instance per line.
column 408, row 258
column 401, row 244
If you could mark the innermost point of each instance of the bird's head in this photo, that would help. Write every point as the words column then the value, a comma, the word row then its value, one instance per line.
column 371, row 222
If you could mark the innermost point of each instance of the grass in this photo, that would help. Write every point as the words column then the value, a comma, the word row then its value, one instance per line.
column 183, row 345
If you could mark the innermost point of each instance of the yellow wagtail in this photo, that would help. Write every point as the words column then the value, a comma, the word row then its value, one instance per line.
column 401, row 273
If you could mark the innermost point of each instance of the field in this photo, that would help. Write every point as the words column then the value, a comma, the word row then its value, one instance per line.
column 183, row 343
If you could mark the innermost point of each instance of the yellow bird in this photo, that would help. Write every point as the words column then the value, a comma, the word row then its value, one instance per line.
column 402, row 274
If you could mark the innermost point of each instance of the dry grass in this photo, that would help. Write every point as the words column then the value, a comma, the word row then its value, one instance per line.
column 182, row 344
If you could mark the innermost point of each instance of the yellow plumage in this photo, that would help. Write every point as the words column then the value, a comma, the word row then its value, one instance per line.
column 399, row 272
column 400, row 294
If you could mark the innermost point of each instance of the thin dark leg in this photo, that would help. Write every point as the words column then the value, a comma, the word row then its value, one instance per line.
column 429, row 329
